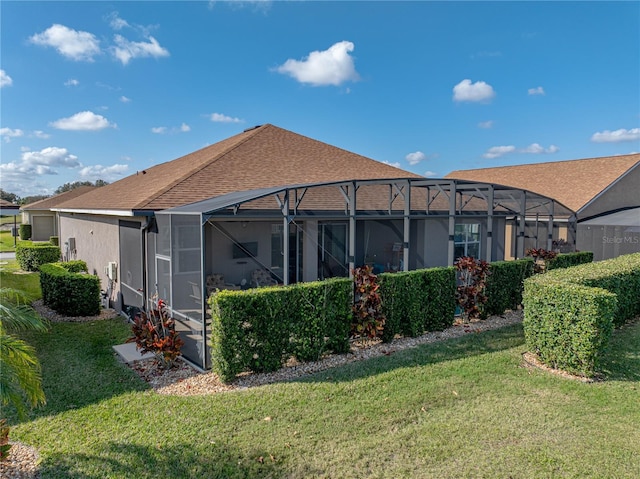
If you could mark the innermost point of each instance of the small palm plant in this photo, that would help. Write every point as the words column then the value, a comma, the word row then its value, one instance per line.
column 20, row 378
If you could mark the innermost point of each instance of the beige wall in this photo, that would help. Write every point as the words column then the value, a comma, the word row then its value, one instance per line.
column 96, row 239
column 31, row 217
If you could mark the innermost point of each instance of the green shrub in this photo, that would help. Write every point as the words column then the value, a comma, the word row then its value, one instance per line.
column 568, row 325
column 505, row 284
column 24, row 230
column 69, row 290
column 31, row 256
column 54, row 240
column 258, row 330
column 566, row 260
column 417, row 301
column 569, row 313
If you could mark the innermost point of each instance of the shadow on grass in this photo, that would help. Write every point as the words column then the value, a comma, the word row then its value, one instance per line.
column 473, row 344
column 621, row 361
column 79, row 366
column 119, row 460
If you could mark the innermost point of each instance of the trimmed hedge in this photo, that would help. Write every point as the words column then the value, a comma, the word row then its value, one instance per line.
column 505, row 285
column 568, row 325
column 569, row 313
column 54, row 240
column 259, row 329
column 417, row 301
column 24, row 230
column 566, row 260
column 69, row 290
column 31, row 256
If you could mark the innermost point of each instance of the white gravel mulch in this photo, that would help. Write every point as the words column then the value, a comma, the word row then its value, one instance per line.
column 186, row 381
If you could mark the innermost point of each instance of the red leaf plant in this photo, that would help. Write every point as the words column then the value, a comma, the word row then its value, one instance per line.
column 472, row 281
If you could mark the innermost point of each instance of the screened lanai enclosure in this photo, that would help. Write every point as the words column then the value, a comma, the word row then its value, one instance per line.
column 284, row 235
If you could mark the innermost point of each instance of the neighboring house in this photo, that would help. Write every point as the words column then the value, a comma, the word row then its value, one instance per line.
column 271, row 206
column 44, row 221
column 9, row 209
column 603, row 192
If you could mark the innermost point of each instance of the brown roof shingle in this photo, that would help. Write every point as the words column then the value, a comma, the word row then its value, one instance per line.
column 261, row 157
column 573, row 183
column 54, row 201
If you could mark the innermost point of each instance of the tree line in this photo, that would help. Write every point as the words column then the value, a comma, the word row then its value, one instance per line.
column 15, row 199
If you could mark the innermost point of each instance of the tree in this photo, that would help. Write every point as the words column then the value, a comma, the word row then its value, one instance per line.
column 21, row 380
column 10, row 197
column 77, row 184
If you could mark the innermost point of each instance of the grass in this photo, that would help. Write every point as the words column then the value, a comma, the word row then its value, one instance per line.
column 7, row 241
column 11, row 276
column 461, row 408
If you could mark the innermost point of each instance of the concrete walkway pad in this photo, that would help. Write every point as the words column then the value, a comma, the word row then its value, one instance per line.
column 129, row 354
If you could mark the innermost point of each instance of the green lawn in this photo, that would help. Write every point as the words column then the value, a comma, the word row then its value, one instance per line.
column 462, row 408
column 7, row 241
column 458, row 409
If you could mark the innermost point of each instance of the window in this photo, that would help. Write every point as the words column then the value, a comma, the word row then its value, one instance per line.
column 467, row 240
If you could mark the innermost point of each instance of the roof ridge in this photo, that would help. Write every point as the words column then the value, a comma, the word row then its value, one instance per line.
column 551, row 162
column 188, row 174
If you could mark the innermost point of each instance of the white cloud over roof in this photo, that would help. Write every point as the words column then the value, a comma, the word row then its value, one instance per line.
column 333, row 66
column 72, row 44
column 415, row 157
column 616, row 136
column 473, row 92
column 126, row 50
column 532, row 149
column 107, row 173
column 83, row 121
column 5, row 80
column 220, row 118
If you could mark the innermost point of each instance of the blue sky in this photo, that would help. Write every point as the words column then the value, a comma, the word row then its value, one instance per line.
column 99, row 90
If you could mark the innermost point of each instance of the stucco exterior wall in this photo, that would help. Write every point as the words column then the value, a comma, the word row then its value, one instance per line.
column 97, row 243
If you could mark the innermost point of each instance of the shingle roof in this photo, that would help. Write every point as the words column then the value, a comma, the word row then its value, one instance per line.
column 54, row 201
column 261, row 157
column 573, row 183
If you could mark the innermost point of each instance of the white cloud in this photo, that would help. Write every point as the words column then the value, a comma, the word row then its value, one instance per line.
column 533, row 149
column 51, row 156
column 497, row 151
column 415, row 157
column 124, row 99
column 333, row 66
column 473, row 92
column 71, row 82
column 429, row 174
column 395, row 165
column 75, row 45
column 41, row 134
column 116, row 22
column 160, row 130
column 486, row 124
column 107, row 173
column 220, row 118
column 83, row 121
column 536, row 91
column 8, row 133
column 184, row 127
column 127, row 50
column 5, row 80
column 616, row 136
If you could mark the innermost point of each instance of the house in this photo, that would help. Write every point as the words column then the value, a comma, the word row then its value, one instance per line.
column 272, row 206
column 41, row 217
column 604, row 193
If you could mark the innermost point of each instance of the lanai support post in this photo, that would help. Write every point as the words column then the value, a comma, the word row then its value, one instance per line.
column 521, row 225
column 285, row 239
column 352, row 228
column 407, row 225
column 452, row 223
column 489, row 252
column 550, row 227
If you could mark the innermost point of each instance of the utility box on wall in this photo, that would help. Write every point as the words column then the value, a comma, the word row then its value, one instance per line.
column 112, row 271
